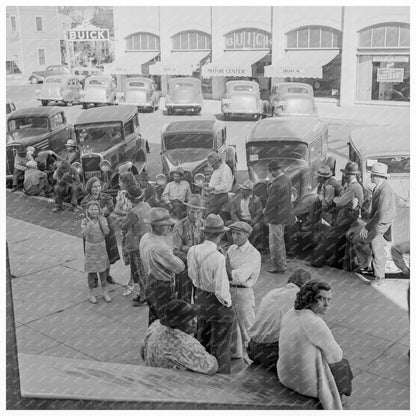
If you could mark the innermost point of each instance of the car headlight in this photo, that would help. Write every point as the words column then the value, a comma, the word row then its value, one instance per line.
column 105, row 165
column 161, row 179
column 77, row 166
column 294, row 194
column 199, row 179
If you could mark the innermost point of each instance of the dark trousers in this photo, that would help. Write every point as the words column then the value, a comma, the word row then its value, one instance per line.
column 18, row 176
column 265, row 354
column 158, row 294
column 93, row 280
column 69, row 190
column 183, row 286
column 215, row 203
column 215, row 322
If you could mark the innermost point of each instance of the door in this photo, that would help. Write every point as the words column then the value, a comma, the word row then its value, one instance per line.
column 130, row 146
column 60, row 133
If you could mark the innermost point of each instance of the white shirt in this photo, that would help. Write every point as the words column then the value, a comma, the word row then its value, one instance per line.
column 221, row 179
column 209, row 273
column 245, row 212
column 245, row 263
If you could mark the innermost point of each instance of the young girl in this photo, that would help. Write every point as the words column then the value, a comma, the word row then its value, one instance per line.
column 94, row 229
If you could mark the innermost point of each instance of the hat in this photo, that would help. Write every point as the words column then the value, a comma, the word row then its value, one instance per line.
column 83, row 131
column 379, row 169
column 32, row 164
column 214, row 224
column 274, row 164
column 351, row 168
column 179, row 171
column 134, row 192
column 241, row 226
column 195, row 202
column 214, row 155
column 324, row 171
column 248, row 184
column 31, row 149
column 70, row 143
column 20, row 150
column 159, row 216
column 178, row 312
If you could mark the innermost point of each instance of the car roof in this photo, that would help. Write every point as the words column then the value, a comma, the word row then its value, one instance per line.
column 36, row 111
column 106, row 114
column 242, row 82
column 191, row 79
column 102, row 77
column 381, row 140
column 286, row 128
column 193, row 126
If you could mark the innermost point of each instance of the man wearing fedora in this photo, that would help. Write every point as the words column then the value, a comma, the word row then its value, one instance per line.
column 331, row 247
column 278, row 213
column 219, row 185
column 187, row 233
column 169, row 342
column 175, row 194
column 71, row 153
column 370, row 241
column 159, row 263
column 243, row 263
column 206, row 268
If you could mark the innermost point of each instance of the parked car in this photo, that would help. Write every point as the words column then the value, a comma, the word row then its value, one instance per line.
column 10, row 107
column 185, row 95
column 186, row 144
column 141, row 92
column 391, row 146
column 99, row 90
column 292, row 99
column 44, row 128
column 242, row 98
column 64, row 89
column 39, row 76
column 83, row 72
column 300, row 144
column 111, row 138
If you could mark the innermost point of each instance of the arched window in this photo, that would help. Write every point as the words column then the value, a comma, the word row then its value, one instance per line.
column 248, row 38
column 142, row 41
column 191, row 40
column 386, row 35
column 314, row 37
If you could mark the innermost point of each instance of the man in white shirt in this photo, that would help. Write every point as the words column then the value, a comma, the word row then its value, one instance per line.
column 219, row 185
column 243, row 263
column 263, row 347
column 175, row 194
column 206, row 268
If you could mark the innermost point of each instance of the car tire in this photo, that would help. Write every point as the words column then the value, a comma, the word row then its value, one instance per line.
column 84, row 106
column 33, row 80
column 44, row 102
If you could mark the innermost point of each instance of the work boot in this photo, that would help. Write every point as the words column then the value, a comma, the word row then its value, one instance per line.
column 106, row 296
column 92, row 298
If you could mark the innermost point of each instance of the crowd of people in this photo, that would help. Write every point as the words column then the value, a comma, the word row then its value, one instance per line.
column 195, row 258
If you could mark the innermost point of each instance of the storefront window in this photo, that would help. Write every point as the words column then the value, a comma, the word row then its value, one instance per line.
column 191, row 40
column 142, row 42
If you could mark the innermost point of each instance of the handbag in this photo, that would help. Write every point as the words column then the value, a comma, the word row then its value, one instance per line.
column 343, row 376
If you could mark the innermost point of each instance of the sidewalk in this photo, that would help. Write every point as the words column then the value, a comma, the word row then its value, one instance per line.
column 54, row 318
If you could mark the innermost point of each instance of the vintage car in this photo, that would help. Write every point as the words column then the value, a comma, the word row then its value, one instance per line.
column 39, row 76
column 141, row 92
column 99, row 90
column 44, row 128
column 292, row 99
column 64, row 89
column 242, row 98
column 391, row 146
column 300, row 144
column 184, row 95
column 10, row 107
column 186, row 144
column 108, row 137
column 83, row 72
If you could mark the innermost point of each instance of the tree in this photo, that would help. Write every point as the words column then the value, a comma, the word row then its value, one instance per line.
column 103, row 18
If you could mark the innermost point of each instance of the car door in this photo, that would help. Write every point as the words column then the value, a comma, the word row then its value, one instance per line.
column 130, row 147
column 60, row 132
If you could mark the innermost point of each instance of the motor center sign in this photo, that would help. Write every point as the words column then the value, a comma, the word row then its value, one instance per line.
column 221, row 71
column 81, row 34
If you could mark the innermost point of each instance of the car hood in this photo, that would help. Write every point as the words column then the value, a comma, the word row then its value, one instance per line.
column 259, row 171
column 191, row 159
column 28, row 135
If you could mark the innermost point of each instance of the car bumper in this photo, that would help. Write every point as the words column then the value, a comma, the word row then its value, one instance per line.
column 184, row 107
column 96, row 101
column 56, row 98
column 139, row 105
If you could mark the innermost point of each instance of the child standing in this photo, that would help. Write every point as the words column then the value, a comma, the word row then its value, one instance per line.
column 94, row 229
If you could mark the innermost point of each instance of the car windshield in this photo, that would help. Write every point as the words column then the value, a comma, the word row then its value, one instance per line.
column 137, row 84
column 28, row 122
column 97, row 82
column 53, row 80
column 276, row 150
column 188, row 141
column 184, row 85
column 396, row 164
column 99, row 137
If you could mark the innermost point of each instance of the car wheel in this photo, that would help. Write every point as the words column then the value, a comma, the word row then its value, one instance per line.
column 69, row 103
column 44, row 102
column 169, row 111
column 33, row 80
column 84, row 106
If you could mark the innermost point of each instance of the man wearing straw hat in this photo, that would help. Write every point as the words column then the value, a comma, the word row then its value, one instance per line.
column 370, row 242
column 159, row 263
column 71, row 153
column 187, row 233
column 207, row 270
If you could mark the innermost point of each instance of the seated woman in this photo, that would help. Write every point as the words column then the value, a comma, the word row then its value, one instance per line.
column 307, row 348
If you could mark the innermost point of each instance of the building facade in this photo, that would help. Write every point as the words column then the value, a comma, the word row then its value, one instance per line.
column 348, row 54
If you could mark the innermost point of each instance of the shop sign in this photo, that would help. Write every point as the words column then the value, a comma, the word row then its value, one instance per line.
column 163, row 69
column 87, row 31
column 390, row 58
column 293, row 71
column 390, row 74
column 248, row 39
column 209, row 71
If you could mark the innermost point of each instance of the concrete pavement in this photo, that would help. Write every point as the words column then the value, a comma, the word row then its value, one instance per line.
column 54, row 318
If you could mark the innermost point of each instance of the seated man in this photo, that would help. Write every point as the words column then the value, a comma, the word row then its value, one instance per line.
column 175, row 194
column 20, row 161
column 71, row 153
column 169, row 342
column 67, row 185
column 36, row 181
column 263, row 347
column 149, row 191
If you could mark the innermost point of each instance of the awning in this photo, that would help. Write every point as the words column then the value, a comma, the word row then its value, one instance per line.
column 130, row 63
column 301, row 64
column 179, row 63
column 233, row 64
